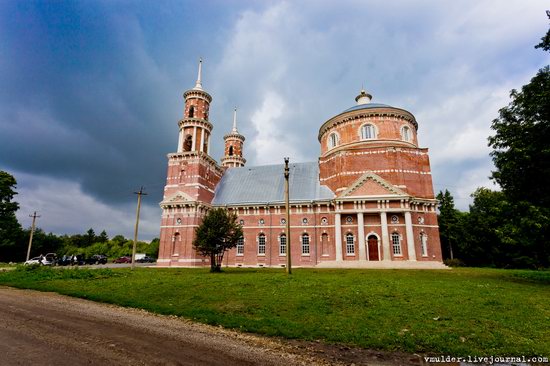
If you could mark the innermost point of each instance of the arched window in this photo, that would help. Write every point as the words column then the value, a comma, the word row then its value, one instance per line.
column 424, row 244
column 350, row 244
column 282, row 244
column 332, row 140
column 305, row 244
column 396, row 243
column 261, row 244
column 230, row 150
column 191, row 111
column 406, row 133
column 188, row 143
column 368, row 132
column 240, row 246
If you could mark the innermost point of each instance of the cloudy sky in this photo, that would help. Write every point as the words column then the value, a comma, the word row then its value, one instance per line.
column 91, row 91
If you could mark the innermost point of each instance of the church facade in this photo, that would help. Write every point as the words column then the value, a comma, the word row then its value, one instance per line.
column 368, row 201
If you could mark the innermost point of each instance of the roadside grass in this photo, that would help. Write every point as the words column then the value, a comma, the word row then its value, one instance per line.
column 460, row 312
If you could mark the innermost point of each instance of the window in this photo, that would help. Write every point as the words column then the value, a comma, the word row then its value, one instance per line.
column 230, row 151
column 261, row 222
column 324, row 244
column 368, row 132
column 305, row 244
column 324, row 221
column 283, row 221
column 240, row 246
column 304, row 221
column 332, row 140
column 191, row 112
column 396, row 243
column 349, row 219
column 406, row 133
column 175, row 241
column 350, row 245
column 188, row 143
column 394, row 219
column 241, row 222
column 424, row 244
column 178, row 221
column 282, row 244
column 261, row 244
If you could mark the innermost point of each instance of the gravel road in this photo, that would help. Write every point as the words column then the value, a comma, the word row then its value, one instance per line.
column 38, row 328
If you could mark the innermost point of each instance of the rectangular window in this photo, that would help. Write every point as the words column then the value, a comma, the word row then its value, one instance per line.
column 396, row 243
column 282, row 245
column 350, row 245
column 240, row 246
column 261, row 244
column 305, row 244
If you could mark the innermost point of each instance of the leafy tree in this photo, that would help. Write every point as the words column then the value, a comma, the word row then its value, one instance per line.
column 90, row 237
column 545, row 41
column 218, row 232
column 153, row 250
column 521, row 142
column 10, row 229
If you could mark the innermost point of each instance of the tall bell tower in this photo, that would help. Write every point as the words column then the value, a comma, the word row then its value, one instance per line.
column 234, row 143
column 191, row 180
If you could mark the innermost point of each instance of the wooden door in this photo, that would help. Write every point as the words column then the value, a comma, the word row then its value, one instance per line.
column 373, row 248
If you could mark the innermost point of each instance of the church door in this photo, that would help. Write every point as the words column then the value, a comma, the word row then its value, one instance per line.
column 373, row 248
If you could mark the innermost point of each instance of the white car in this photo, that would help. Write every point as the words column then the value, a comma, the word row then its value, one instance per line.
column 35, row 260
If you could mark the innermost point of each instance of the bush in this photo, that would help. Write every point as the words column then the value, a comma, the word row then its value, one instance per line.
column 455, row 262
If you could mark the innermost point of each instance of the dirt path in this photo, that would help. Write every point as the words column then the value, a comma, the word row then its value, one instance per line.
column 38, row 328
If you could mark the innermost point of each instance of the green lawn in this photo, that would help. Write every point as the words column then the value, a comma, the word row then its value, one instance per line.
column 455, row 312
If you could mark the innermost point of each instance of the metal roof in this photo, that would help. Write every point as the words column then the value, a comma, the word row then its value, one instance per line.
column 263, row 184
column 367, row 106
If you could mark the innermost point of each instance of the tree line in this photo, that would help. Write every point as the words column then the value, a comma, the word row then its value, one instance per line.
column 14, row 239
column 510, row 227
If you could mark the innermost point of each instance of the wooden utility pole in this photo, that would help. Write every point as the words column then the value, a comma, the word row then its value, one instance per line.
column 34, row 216
column 140, row 193
column 287, row 205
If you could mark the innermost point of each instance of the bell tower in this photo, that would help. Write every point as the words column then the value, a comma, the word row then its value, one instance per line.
column 191, row 181
column 194, row 128
column 234, row 143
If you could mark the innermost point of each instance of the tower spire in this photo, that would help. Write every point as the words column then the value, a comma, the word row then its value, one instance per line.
column 234, row 130
column 198, row 85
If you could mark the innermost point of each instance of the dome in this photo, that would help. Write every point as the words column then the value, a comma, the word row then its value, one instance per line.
column 367, row 106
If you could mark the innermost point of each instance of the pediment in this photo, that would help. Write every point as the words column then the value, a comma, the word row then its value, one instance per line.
column 178, row 197
column 370, row 184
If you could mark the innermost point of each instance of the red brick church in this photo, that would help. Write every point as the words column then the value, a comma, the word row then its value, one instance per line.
column 367, row 202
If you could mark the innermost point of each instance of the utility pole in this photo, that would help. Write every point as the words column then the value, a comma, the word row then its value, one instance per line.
column 34, row 216
column 140, row 193
column 287, row 204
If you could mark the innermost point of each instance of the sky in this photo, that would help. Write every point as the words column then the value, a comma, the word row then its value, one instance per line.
column 91, row 91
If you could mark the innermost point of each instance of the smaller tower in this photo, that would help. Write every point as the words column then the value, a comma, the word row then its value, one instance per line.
column 234, row 142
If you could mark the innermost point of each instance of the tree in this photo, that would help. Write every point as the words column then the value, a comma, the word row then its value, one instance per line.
column 103, row 237
column 448, row 220
column 545, row 41
column 90, row 237
column 218, row 233
column 10, row 229
column 521, row 143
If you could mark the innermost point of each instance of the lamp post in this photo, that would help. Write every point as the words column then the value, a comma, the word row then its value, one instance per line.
column 287, row 205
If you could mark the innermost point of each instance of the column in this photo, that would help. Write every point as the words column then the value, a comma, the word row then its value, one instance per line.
column 361, row 234
column 411, row 249
column 193, row 145
column 385, row 236
column 338, row 236
column 208, row 147
column 202, row 140
column 180, row 141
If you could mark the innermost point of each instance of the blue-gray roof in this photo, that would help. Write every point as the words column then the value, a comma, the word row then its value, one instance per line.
column 367, row 106
column 262, row 184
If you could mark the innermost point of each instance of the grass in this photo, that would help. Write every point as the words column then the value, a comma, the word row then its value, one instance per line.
column 459, row 312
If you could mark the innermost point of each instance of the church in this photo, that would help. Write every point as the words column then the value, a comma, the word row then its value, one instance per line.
column 368, row 202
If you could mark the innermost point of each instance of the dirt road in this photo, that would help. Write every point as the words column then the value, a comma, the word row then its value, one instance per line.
column 39, row 328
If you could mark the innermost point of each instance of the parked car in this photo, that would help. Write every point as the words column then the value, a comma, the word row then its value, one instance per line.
column 65, row 260
column 124, row 259
column 97, row 259
column 32, row 261
column 146, row 259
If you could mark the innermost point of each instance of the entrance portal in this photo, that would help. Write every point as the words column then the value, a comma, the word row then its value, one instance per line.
column 373, row 248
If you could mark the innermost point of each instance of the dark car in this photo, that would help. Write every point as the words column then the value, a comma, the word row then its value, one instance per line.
column 97, row 259
column 146, row 259
column 124, row 259
column 65, row 260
